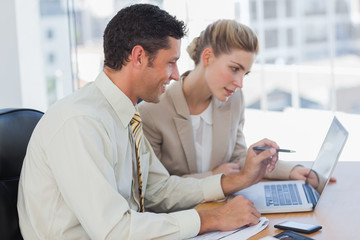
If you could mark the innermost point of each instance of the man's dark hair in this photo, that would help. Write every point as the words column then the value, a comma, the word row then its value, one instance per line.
column 139, row 24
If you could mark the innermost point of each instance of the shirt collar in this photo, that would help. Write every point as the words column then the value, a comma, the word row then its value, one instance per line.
column 121, row 104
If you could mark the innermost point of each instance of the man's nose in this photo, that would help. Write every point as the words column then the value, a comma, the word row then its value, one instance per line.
column 175, row 73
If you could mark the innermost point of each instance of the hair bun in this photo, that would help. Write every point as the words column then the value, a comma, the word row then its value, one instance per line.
column 192, row 49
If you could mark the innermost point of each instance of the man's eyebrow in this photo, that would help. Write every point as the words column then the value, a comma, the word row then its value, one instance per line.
column 172, row 60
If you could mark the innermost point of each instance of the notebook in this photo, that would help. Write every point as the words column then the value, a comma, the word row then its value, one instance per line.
column 296, row 195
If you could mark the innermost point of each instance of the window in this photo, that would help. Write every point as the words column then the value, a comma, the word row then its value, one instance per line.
column 314, row 7
column 51, row 58
column 341, row 7
column 57, row 46
column 50, row 34
column 289, row 8
column 253, row 10
column 309, row 58
column 290, row 37
column 271, row 38
column 298, row 46
column 315, row 33
column 300, row 40
column 355, row 31
column 237, row 9
column 343, row 31
column 270, row 10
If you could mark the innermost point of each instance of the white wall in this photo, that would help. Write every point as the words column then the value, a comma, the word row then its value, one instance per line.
column 10, row 91
column 22, row 82
column 302, row 130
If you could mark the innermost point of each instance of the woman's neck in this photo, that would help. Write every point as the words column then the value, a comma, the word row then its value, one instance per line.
column 196, row 92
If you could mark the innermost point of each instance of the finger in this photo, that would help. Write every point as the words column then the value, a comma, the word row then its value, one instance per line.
column 300, row 177
column 255, row 217
column 234, row 165
column 266, row 142
column 270, row 168
column 272, row 163
column 232, row 171
column 254, row 221
column 273, row 159
column 267, row 154
column 256, row 213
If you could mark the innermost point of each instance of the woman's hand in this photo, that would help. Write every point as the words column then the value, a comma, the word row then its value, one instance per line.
column 303, row 173
column 227, row 168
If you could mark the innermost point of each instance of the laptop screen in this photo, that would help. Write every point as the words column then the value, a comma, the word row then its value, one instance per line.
column 329, row 153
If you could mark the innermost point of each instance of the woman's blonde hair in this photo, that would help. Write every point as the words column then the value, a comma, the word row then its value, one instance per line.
column 223, row 36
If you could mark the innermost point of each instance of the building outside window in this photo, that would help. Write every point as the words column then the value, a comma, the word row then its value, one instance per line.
column 270, row 9
column 271, row 38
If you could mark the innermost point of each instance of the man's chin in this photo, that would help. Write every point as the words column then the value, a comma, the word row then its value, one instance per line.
column 152, row 100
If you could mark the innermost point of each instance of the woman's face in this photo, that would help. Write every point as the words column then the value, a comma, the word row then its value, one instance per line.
column 224, row 74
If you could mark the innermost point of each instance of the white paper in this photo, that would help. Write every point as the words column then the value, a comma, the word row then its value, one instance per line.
column 238, row 234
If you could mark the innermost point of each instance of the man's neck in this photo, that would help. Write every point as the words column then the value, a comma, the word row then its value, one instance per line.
column 123, row 80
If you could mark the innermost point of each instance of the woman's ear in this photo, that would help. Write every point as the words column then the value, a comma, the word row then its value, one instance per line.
column 207, row 56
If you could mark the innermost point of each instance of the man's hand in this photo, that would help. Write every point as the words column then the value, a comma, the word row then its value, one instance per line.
column 240, row 211
column 256, row 164
column 227, row 168
column 236, row 213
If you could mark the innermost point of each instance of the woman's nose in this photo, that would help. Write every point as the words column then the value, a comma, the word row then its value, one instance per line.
column 238, row 82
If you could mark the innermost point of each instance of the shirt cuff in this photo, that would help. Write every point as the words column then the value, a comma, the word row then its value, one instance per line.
column 189, row 223
column 212, row 188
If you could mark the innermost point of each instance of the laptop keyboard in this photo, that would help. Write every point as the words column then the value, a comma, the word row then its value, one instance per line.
column 312, row 195
column 282, row 194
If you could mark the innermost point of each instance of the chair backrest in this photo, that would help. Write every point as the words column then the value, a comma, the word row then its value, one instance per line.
column 16, row 127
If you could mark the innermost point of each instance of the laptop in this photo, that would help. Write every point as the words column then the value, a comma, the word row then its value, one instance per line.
column 297, row 195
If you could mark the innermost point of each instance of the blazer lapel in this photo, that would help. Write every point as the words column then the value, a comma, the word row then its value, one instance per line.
column 221, row 131
column 183, row 125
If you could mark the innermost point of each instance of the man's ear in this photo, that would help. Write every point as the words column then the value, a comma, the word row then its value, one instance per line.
column 137, row 56
column 207, row 56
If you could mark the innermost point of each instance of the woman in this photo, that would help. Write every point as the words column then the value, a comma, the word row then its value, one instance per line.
column 197, row 127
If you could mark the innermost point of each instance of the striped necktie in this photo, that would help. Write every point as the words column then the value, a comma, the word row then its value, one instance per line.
column 136, row 127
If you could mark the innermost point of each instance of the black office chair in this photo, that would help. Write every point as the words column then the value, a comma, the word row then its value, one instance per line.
column 16, row 127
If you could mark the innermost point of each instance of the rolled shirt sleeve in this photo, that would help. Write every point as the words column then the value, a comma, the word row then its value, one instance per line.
column 177, row 225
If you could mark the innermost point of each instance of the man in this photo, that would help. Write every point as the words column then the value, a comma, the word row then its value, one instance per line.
column 87, row 174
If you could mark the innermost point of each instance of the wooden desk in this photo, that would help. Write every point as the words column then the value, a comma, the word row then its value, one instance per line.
column 337, row 211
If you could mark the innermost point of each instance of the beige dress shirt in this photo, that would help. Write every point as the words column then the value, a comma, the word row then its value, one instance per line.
column 79, row 181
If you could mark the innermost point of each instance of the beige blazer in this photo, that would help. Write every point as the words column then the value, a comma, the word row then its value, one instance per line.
column 167, row 126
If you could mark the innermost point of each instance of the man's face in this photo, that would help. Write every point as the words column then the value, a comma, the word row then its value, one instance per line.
column 160, row 72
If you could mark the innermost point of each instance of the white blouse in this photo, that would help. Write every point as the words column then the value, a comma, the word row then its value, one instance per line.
column 202, row 131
